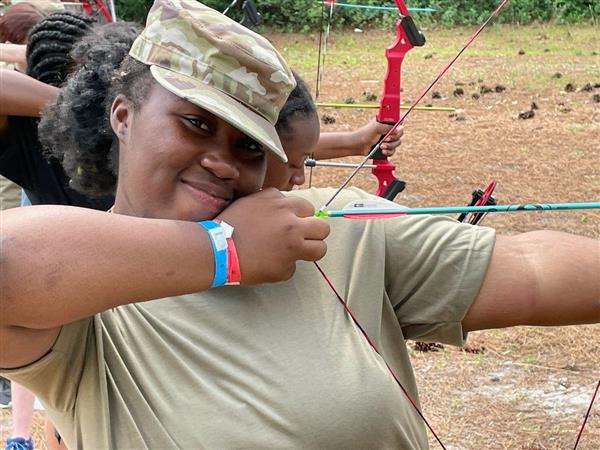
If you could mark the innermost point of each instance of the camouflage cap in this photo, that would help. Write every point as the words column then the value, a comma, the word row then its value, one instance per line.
column 203, row 56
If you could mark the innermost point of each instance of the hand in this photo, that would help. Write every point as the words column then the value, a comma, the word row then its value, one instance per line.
column 369, row 134
column 272, row 232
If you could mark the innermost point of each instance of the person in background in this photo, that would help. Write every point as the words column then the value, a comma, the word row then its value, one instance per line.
column 299, row 130
column 15, row 23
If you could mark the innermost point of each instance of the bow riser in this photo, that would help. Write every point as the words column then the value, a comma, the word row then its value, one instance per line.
column 407, row 37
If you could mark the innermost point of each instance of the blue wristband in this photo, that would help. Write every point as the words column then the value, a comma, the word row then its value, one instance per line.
column 219, row 247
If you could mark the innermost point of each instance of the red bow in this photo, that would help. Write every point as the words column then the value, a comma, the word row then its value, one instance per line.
column 407, row 37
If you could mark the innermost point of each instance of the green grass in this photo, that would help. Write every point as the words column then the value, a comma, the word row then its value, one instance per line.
column 572, row 50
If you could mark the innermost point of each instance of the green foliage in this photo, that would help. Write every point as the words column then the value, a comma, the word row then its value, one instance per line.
column 305, row 15
column 466, row 12
column 133, row 10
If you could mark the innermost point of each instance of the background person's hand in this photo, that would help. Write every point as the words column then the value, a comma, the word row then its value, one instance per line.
column 369, row 134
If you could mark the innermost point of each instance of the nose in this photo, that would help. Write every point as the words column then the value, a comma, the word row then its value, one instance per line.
column 221, row 162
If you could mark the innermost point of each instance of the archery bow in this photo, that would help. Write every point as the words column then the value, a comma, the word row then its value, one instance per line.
column 99, row 5
column 407, row 37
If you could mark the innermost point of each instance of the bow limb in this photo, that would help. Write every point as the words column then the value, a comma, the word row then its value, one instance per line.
column 407, row 37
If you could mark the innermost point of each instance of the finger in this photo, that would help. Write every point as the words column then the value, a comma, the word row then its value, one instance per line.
column 390, row 146
column 382, row 128
column 313, row 250
column 269, row 193
column 315, row 228
column 300, row 207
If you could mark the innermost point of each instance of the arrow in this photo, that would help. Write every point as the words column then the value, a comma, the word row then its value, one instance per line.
column 381, row 8
column 310, row 162
column 375, row 106
column 374, row 209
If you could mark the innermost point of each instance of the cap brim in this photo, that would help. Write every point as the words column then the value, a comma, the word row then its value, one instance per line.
column 221, row 105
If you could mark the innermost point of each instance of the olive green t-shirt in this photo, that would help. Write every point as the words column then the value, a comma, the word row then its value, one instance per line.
column 10, row 194
column 275, row 366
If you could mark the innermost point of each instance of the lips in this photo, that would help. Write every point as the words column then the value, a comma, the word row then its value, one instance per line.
column 208, row 194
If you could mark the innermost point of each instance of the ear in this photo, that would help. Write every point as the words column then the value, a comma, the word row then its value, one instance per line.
column 121, row 114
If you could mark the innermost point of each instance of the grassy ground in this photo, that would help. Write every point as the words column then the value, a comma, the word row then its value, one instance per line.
column 524, row 388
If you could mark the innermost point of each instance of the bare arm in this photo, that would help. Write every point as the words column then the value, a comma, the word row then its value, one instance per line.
column 539, row 278
column 13, row 53
column 59, row 264
column 359, row 142
column 21, row 95
column 86, row 262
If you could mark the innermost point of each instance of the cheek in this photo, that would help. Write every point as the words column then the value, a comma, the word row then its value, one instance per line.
column 278, row 173
column 252, row 176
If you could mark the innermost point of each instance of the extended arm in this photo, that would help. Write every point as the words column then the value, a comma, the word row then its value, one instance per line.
column 359, row 142
column 21, row 95
column 60, row 264
column 13, row 53
column 539, row 278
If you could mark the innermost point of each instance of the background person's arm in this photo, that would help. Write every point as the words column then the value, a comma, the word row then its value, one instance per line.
column 21, row 95
column 13, row 53
column 359, row 142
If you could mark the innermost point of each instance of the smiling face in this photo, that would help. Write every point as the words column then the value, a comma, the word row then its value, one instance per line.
column 299, row 141
column 179, row 161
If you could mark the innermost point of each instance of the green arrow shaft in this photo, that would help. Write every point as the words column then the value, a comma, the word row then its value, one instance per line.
column 459, row 209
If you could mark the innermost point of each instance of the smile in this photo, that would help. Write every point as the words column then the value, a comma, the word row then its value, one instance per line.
column 207, row 194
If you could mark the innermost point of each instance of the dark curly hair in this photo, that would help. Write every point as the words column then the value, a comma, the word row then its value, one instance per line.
column 49, row 43
column 299, row 103
column 76, row 129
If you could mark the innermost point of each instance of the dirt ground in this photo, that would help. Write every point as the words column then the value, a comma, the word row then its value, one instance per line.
column 524, row 388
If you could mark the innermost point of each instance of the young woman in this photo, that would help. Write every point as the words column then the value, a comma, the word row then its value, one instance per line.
column 95, row 320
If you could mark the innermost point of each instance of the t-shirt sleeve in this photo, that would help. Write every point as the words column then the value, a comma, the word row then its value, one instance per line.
column 54, row 378
column 434, row 266
column 434, row 270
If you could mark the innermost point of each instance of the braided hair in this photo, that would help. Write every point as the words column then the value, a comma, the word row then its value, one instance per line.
column 49, row 43
column 76, row 129
column 299, row 103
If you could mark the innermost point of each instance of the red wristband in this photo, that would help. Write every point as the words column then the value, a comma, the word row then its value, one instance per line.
column 234, row 276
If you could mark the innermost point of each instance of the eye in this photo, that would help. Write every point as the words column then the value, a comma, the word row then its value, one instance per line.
column 252, row 147
column 198, row 122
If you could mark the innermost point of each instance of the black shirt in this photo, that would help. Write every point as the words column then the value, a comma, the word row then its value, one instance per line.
column 43, row 178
